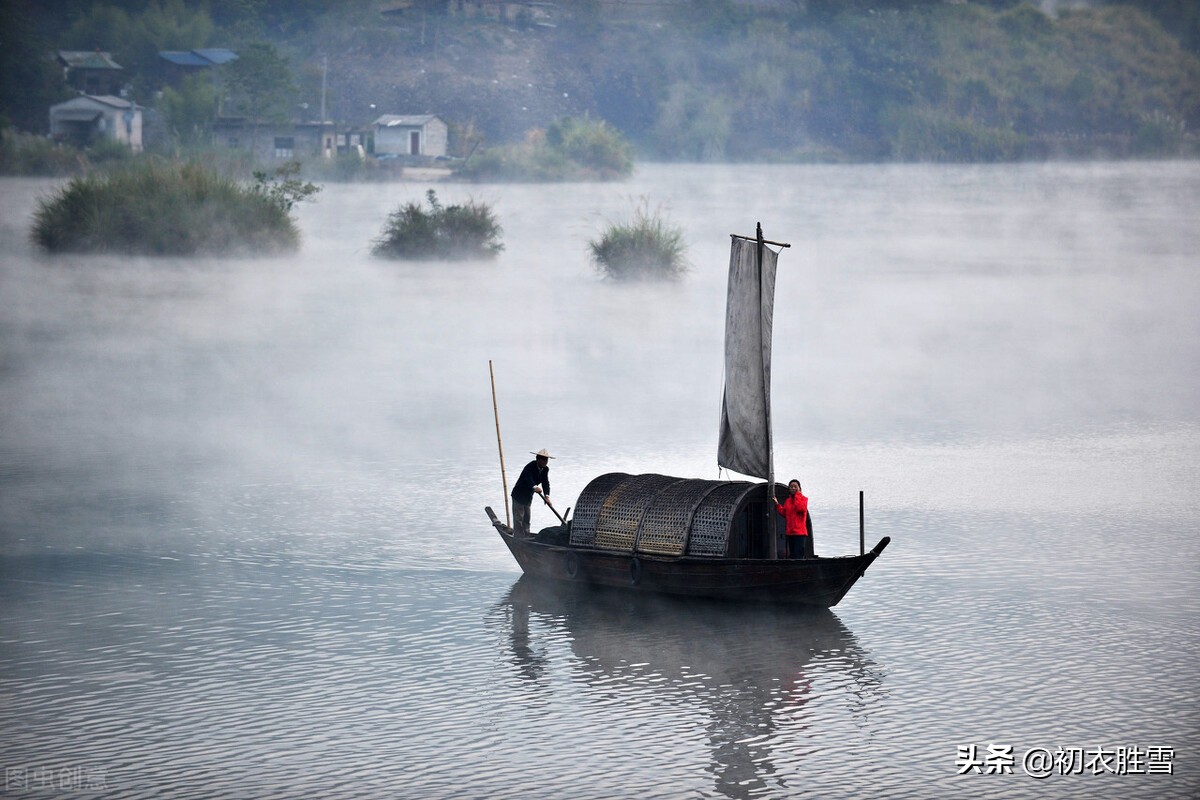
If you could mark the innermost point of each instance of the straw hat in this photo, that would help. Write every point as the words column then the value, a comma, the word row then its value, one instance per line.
column 541, row 453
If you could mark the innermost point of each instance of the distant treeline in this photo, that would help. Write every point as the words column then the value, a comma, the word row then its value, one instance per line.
column 704, row 80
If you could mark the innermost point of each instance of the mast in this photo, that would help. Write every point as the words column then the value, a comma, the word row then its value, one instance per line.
column 768, row 506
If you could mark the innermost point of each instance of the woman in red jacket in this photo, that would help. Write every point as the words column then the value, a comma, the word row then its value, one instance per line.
column 799, row 527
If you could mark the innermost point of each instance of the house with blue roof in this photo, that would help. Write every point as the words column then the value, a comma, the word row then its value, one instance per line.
column 180, row 63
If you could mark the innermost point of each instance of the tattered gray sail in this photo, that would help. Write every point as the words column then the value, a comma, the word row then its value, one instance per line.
column 745, row 443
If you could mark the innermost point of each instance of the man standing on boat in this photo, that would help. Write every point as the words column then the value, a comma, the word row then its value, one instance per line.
column 535, row 478
column 794, row 510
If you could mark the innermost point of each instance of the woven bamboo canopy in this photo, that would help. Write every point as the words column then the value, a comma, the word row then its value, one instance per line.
column 661, row 515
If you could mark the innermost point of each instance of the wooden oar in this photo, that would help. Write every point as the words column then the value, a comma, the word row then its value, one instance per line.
column 546, row 500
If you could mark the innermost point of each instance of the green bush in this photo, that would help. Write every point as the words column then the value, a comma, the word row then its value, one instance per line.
column 645, row 248
column 348, row 166
column 156, row 208
column 594, row 146
column 932, row 135
column 569, row 150
column 106, row 153
column 25, row 154
column 517, row 163
column 283, row 188
column 189, row 109
column 230, row 162
column 440, row 233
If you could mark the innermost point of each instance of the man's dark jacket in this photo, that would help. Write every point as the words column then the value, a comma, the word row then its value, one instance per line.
column 532, row 475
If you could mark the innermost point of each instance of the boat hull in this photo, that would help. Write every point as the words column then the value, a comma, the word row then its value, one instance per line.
column 812, row 581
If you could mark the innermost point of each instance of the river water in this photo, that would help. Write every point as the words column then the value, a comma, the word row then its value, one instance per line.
column 243, row 550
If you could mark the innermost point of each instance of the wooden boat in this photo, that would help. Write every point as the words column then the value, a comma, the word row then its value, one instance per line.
column 694, row 537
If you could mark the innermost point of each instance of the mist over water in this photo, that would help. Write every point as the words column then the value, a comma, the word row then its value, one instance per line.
column 1005, row 359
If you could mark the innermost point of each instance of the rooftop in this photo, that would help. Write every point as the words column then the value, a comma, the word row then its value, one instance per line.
column 209, row 57
column 395, row 120
column 87, row 59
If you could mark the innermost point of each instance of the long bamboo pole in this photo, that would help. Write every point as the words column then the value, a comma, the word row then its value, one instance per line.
column 499, row 445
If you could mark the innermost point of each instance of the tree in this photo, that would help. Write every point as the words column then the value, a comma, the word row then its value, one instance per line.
column 189, row 110
column 261, row 86
column 169, row 25
column 135, row 40
column 260, row 82
column 31, row 82
column 1180, row 16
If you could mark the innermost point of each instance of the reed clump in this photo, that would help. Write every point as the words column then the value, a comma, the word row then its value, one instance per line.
column 447, row 233
column 168, row 208
column 646, row 247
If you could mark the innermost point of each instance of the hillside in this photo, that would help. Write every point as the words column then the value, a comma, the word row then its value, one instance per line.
column 929, row 81
column 701, row 80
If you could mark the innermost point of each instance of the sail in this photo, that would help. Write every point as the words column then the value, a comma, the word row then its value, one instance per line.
column 745, row 441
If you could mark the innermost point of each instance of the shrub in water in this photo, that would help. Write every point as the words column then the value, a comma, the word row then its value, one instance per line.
column 283, row 188
column 441, row 232
column 645, row 248
column 170, row 209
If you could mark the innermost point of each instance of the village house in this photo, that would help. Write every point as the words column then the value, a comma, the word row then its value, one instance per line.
column 91, row 71
column 84, row 120
column 414, row 137
column 276, row 141
column 180, row 63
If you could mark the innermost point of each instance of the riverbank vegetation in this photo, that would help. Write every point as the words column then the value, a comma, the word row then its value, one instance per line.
column 171, row 209
column 23, row 154
column 447, row 233
column 645, row 247
column 568, row 150
column 26, row 154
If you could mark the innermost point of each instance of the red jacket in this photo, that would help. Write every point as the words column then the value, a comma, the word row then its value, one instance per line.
column 795, row 511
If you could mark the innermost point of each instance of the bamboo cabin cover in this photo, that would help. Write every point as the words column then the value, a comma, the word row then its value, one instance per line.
column 660, row 515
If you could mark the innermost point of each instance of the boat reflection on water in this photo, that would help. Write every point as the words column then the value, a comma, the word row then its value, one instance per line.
column 750, row 670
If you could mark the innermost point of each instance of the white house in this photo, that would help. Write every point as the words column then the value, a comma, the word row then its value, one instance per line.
column 84, row 119
column 410, row 135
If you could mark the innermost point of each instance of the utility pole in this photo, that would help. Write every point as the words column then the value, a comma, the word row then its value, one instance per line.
column 324, row 74
column 326, row 150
